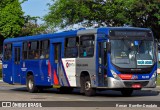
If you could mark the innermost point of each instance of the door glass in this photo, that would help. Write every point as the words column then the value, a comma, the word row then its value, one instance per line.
column 102, row 53
column 102, row 62
column 15, row 52
column 57, row 53
column 17, row 55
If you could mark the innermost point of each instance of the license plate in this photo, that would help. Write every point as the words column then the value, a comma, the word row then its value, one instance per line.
column 136, row 86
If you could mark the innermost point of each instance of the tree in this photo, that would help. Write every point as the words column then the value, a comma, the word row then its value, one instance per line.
column 32, row 28
column 144, row 13
column 11, row 18
column 139, row 13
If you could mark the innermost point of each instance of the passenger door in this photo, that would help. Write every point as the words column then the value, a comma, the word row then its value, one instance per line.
column 56, row 62
column 102, row 63
column 16, row 68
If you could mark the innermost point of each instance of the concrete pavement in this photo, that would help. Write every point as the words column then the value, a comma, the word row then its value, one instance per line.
column 19, row 93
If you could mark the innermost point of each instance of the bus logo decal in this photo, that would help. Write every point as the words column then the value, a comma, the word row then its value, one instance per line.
column 134, row 77
column 67, row 65
column 24, row 67
column 5, row 65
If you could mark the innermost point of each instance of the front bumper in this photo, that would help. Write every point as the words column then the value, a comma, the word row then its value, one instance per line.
column 114, row 83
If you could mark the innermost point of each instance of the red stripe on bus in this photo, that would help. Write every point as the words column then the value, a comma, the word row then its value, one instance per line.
column 49, row 69
column 56, row 82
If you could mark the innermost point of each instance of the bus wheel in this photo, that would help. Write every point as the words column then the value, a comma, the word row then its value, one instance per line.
column 88, row 90
column 127, row 92
column 30, row 85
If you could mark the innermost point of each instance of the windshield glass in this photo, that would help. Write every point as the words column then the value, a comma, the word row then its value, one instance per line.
column 132, row 53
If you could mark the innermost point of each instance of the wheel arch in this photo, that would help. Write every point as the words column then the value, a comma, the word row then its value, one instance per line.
column 84, row 74
column 85, row 79
column 30, row 82
column 28, row 73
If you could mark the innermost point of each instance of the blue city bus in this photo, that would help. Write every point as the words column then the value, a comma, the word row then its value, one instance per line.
column 116, row 58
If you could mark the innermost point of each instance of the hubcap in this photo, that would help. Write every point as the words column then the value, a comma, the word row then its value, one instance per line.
column 87, row 85
column 30, row 84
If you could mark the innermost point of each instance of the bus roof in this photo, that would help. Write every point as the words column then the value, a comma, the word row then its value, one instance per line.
column 104, row 30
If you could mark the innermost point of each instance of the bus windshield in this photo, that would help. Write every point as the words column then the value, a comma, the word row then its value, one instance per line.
column 132, row 53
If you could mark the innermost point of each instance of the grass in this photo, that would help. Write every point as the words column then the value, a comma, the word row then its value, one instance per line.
column 158, row 78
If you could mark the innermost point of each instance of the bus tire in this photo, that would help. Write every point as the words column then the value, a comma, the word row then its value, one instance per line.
column 31, row 84
column 88, row 90
column 127, row 92
column 82, row 88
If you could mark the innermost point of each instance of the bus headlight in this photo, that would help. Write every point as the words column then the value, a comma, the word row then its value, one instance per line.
column 154, row 74
column 115, row 75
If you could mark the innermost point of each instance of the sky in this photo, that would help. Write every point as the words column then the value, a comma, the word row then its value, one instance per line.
column 36, row 8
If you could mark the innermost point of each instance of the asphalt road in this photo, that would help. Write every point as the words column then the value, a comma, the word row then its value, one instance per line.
column 19, row 93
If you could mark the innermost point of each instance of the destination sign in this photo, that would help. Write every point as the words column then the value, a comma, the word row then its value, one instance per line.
column 134, row 33
column 87, row 37
column 144, row 62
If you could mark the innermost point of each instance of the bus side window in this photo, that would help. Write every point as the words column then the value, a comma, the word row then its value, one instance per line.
column 44, row 49
column 71, row 47
column 33, row 48
column 7, row 51
column 87, row 46
column 25, row 48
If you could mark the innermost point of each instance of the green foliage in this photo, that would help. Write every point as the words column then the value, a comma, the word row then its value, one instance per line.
column 13, row 23
column 22, row 1
column 67, row 12
column 139, row 13
column 158, row 80
column 11, row 18
column 145, row 13
column 31, row 27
